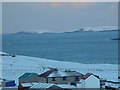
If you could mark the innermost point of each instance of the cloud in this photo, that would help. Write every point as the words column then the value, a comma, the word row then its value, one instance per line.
column 60, row 0
column 64, row 4
column 114, row 6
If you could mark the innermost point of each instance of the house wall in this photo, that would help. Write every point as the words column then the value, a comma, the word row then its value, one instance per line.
column 42, row 80
column 91, row 82
column 3, row 84
column 60, row 80
column 81, row 84
column 20, row 87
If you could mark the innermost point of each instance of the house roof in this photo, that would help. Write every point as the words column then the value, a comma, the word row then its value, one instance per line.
column 27, row 75
column 66, row 86
column 48, row 85
column 57, row 73
column 42, row 85
column 9, row 81
column 45, row 74
column 26, row 84
column 87, row 75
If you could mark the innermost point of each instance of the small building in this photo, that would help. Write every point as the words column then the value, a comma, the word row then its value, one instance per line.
column 24, row 86
column 8, row 83
column 89, row 81
column 29, row 78
column 60, row 77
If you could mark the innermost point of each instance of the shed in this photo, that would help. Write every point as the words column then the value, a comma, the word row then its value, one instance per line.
column 8, row 83
column 23, row 86
column 29, row 78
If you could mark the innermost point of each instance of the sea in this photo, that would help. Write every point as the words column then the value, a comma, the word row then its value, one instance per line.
column 91, row 47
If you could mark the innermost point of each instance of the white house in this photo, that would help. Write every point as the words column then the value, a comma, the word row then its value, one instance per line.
column 89, row 81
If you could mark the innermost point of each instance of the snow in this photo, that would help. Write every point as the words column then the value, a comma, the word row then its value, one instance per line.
column 63, row 74
column 28, row 84
column 14, row 67
column 101, row 28
column 112, row 85
column 66, row 86
column 42, row 85
column 2, row 52
column 46, row 85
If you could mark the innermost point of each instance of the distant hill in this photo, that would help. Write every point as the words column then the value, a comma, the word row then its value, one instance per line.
column 76, row 31
column 23, row 32
column 88, row 29
column 82, row 30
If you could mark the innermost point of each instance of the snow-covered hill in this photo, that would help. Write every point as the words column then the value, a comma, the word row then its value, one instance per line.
column 103, row 28
column 86, row 29
column 14, row 67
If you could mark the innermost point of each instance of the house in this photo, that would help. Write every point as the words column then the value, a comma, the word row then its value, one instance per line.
column 24, row 86
column 56, row 76
column 89, row 81
column 29, row 78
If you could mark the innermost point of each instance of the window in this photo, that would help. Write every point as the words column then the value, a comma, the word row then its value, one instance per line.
column 72, row 83
column 53, row 79
column 64, row 78
column 76, row 78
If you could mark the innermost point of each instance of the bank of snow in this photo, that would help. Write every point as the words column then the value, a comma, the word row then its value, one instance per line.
column 14, row 67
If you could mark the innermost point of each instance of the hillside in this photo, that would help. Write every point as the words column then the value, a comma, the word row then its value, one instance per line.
column 14, row 67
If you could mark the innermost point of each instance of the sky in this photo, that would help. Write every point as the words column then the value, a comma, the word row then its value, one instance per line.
column 57, row 16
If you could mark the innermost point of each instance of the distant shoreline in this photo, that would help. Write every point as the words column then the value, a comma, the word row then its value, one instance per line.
column 76, row 31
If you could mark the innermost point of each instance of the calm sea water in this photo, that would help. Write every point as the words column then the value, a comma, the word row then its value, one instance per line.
column 83, row 47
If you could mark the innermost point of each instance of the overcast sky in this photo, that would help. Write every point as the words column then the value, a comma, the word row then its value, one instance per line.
column 57, row 17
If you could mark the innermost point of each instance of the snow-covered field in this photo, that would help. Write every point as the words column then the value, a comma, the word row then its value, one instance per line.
column 14, row 67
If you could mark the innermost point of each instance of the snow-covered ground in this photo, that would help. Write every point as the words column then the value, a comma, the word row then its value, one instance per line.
column 14, row 67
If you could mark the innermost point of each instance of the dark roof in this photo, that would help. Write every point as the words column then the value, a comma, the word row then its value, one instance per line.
column 89, row 74
column 27, row 75
column 57, row 73
column 45, row 74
